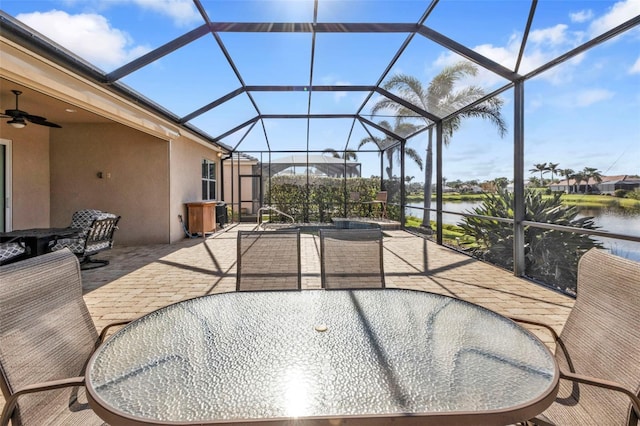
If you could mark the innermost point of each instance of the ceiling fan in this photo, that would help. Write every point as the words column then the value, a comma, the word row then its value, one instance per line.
column 19, row 118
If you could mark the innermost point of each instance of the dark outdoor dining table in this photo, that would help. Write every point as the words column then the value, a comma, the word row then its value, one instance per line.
column 37, row 239
column 331, row 357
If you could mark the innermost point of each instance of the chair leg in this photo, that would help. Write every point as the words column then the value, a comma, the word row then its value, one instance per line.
column 89, row 263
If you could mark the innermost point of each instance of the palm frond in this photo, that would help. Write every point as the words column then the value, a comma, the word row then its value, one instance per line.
column 333, row 152
column 413, row 154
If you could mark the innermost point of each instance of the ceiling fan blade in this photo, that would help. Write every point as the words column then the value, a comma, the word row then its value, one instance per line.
column 14, row 113
column 34, row 117
column 41, row 121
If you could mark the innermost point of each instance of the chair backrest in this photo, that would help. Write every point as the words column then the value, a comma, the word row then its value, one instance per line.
column 46, row 332
column 602, row 333
column 100, row 234
column 382, row 196
column 351, row 258
column 82, row 219
column 269, row 260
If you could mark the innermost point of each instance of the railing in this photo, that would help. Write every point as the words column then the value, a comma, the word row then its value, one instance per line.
column 273, row 209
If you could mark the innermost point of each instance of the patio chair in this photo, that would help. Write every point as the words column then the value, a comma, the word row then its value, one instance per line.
column 598, row 350
column 381, row 198
column 353, row 204
column 269, row 260
column 47, row 337
column 97, row 234
column 351, row 258
column 13, row 250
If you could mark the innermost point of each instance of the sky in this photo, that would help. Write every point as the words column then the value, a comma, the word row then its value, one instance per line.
column 582, row 113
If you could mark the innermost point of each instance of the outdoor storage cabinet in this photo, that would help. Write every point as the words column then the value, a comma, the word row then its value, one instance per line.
column 202, row 217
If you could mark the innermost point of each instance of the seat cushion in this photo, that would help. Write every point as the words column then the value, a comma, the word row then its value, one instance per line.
column 97, row 247
column 10, row 250
column 76, row 245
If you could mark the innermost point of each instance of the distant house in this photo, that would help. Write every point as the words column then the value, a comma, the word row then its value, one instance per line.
column 626, row 183
column 475, row 189
column 607, row 186
column 319, row 165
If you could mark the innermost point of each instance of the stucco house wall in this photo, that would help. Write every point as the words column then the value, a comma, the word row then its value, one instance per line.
column 134, row 182
column 186, row 180
column 30, row 178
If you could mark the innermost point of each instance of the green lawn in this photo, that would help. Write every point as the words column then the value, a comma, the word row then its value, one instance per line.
column 600, row 200
column 585, row 200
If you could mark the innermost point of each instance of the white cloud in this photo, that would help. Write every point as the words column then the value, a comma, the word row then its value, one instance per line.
column 589, row 97
column 553, row 36
column 581, row 16
column 542, row 46
column 182, row 12
column 337, row 96
column 619, row 13
column 575, row 99
column 88, row 35
column 635, row 68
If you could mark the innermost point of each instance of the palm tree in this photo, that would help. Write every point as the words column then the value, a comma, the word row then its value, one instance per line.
column 578, row 177
column 501, row 182
column 346, row 155
column 568, row 174
column 534, row 182
column 400, row 128
column 542, row 168
column 591, row 173
column 441, row 94
column 553, row 168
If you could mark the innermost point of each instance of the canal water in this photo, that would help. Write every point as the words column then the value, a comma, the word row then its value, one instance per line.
column 611, row 219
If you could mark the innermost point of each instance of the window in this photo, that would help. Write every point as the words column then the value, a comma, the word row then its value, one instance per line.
column 208, row 180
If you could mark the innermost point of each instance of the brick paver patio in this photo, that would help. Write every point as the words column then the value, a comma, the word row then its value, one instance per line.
column 141, row 279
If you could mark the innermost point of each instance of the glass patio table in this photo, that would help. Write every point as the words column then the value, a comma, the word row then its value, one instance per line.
column 322, row 357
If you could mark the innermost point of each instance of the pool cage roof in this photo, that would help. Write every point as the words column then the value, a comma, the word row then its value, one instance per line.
column 311, row 75
column 262, row 77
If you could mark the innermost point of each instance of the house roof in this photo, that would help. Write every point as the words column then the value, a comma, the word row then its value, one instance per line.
column 311, row 159
column 323, row 164
column 591, row 181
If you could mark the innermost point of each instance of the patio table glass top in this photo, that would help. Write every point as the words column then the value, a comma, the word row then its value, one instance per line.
column 320, row 355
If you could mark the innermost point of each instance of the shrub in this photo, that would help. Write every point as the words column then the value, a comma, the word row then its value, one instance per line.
column 635, row 194
column 322, row 199
column 620, row 193
column 551, row 256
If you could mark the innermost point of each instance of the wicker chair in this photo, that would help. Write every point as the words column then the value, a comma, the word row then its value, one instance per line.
column 351, row 258
column 598, row 350
column 97, row 234
column 46, row 338
column 269, row 260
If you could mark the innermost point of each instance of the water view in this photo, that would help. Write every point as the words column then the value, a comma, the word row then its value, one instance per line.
column 612, row 219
